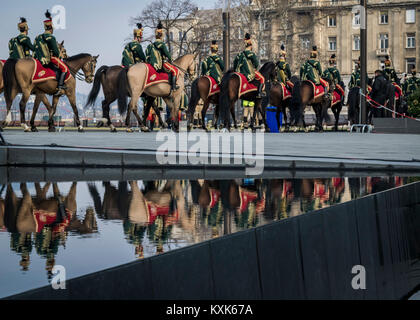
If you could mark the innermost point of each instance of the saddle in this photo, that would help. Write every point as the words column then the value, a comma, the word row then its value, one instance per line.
column 287, row 93
column 154, row 77
column 42, row 73
column 214, row 86
column 245, row 86
column 319, row 90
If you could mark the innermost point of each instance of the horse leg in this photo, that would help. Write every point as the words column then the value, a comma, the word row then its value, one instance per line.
column 135, row 96
column 216, row 116
column 22, row 106
column 8, row 108
column 72, row 100
column 203, row 114
column 259, row 107
column 254, row 115
column 140, row 121
column 232, row 112
column 157, row 112
column 51, row 127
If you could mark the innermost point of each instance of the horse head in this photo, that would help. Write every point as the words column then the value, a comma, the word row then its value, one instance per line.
column 268, row 70
column 89, row 68
column 63, row 51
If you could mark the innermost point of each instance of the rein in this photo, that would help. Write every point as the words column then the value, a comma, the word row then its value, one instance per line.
column 78, row 74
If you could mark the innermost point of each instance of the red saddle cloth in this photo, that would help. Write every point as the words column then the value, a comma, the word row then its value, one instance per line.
column 398, row 91
column 3, row 62
column 319, row 90
column 245, row 86
column 214, row 86
column 42, row 74
column 154, row 77
column 286, row 92
column 246, row 196
column 337, row 94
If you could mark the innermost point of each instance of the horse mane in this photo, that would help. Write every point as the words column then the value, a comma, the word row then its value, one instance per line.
column 77, row 56
column 267, row 66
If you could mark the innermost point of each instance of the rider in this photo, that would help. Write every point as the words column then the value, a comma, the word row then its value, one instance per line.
column 158, row 56
column 133, row 52
column 333, row 70
column 312, row 70
column 411, row 84
column 246, row 63
column 389, row 72
column 283, row 69
column 21, row 46
column 47, row 52
column 213, row 66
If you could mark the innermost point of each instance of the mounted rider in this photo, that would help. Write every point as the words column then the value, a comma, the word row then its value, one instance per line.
column 213, row 65
column 158, row 56
column 133, row 52
column 311, row 70
column 355, row 79
column 47, row 52
column 21, row 46
column 389, row 72
column 335, row 73
column 283, row 69
column 247, row 63
column 411, row 84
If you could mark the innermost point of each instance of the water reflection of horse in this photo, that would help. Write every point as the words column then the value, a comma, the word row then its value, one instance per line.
column 48, row 218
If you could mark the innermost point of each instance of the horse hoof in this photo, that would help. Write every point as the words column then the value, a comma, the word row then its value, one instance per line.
column 81, row 130
column 129, row 130
column 113, row 130
column 34, row 129
column 51, row 129
column 144, row 129
column 100, row 124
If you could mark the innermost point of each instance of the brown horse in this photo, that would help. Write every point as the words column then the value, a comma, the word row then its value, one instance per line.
column 132, row 83
column 200, row 89
column 17, row 76
column 107, row 77
column 229, row 94
column 303, row 95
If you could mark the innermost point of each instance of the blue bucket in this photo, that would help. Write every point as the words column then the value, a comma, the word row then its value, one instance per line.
column 271, row 118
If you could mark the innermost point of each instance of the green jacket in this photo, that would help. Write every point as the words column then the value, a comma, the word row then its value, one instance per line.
column 46, row 47
column 283, row 71
column 156, row 54
column 311, row 70
column 355, row 80
column 246, row 63
column 391, row 75
column 411, row 85
column 213, row 66
column 132, row 54
column 20, row 47
column 335, row 73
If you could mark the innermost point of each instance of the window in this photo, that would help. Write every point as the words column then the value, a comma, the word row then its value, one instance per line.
column 263, row 50
column 410, row 16
column 383, row 41
column 411, row 40
column 240, row 33
column 332, row 43
column 180, row 35
column 171, row 36
column 356, row 42
column 332, row 21
column 356, row 19
column 410, row 64
column 305, row 42
column 384, row 18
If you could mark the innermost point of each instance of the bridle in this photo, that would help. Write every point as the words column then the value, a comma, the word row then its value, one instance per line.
column 79, row 74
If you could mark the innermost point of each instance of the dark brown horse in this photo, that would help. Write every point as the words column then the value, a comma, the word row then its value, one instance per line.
column 108, row 78
column 229, row 94
column 200, row 88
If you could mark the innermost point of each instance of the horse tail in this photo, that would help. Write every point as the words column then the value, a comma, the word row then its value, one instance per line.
column 224, row 107
column 296, row 111
column 93, row 94
column 195, row 97
column 122, row 91
column 9, row 77
column 325, row 114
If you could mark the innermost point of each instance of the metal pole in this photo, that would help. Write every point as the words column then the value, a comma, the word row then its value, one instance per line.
column 226, row 34
column 363, row 57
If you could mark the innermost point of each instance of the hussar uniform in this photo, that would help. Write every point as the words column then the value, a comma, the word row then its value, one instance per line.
column 21, row 46
column 333, row 74
column 213, row 65
column 389, row 72
column 412, row 84
column 283, row 69
column 47, row 52
column 247, row 63
column 133, row 51
column 158, row 56
column 311, row 70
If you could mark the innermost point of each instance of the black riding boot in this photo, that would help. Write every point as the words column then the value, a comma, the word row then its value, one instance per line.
column 61, row 85
column 260, row 92
column 172, row 81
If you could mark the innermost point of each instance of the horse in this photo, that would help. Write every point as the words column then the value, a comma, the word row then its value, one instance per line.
column 229, row 94
column 17, row 76
column 303, row 95
column 132, row 83
column 200, row 88
column 107, row 77
column 353, row 103
column 39, row 97
column 336, row 108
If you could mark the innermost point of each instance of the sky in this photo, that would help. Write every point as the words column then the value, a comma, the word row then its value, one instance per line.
column 92, row 26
